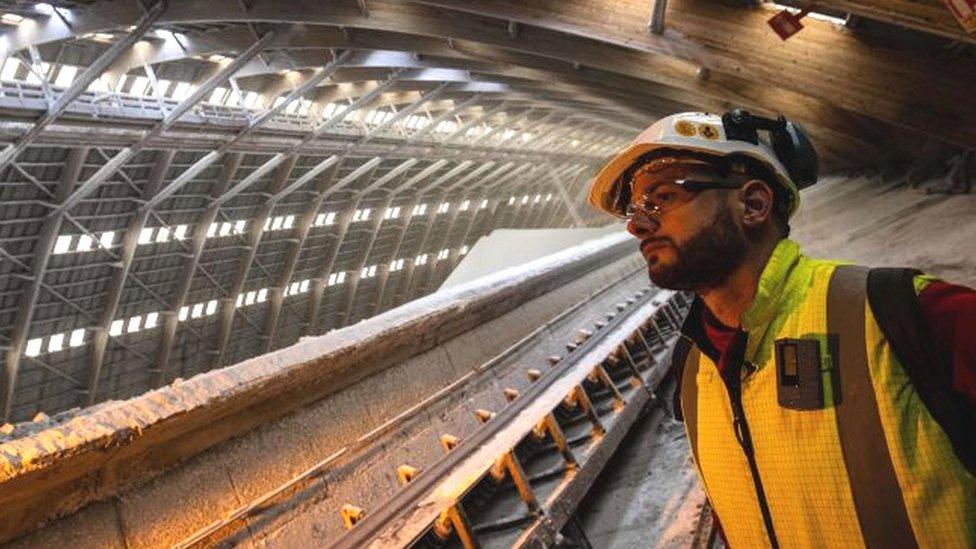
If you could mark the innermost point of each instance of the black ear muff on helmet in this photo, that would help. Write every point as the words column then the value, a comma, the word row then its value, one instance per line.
column 788, row 140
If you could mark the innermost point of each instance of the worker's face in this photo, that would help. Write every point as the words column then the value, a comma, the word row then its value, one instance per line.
column 695, row 243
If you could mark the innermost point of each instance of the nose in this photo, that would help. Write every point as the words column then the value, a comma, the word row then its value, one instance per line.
column 642, row 226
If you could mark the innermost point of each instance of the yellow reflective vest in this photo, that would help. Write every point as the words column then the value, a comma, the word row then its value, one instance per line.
column 860, row 464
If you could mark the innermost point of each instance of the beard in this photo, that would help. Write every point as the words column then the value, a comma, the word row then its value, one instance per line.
column 706, row 260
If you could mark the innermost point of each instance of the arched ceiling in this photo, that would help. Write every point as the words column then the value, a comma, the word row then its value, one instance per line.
column 192, row 183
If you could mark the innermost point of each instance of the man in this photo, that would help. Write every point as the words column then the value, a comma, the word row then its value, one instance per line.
column 805, row 425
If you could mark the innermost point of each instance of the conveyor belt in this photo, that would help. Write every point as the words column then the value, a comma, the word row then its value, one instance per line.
column 517, row 480
column 582, row 429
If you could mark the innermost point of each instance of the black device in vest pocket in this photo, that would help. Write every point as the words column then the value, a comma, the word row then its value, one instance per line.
column 799, row 382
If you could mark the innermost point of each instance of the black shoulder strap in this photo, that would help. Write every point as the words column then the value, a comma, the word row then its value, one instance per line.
column 678, row 356
column 891, row 294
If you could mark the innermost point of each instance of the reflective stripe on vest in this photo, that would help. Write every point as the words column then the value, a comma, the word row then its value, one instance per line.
column 871, row 468
column 880, row 507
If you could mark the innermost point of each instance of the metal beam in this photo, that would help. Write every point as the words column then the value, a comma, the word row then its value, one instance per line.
column 27, row 302
column 190, row 173
column 355, row 274
column 561, row 191
column 302, row 227
column 170, row 318
column 126, row 153
column 255, row 231
column 325, row 268
column 445, row 234
column 81, row 83
column 130, row 239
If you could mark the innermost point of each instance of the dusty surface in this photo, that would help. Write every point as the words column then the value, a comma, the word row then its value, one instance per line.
column 880, row 224
column 649, row 495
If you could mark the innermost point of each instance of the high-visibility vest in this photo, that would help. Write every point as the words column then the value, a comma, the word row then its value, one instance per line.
column 865, row 466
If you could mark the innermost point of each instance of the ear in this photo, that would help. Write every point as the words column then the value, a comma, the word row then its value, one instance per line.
column 756, row 197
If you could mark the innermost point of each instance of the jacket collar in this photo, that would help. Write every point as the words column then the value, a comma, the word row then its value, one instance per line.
column 778, row 286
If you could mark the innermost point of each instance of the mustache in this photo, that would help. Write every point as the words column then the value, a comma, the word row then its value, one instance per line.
column 657, row 240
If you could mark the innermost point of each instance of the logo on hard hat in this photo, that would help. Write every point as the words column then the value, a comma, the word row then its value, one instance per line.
column 708, row 132
column 685, row 128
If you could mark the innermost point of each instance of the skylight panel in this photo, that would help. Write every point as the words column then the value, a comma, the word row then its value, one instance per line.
column 162, row 86
column 106, row 239
column 139, row 86
column 77, row 338
column 10, row 67
column 151, row 320
column 180, row 232
column 146, row 235
column 329, row 110
column 56, row 343
column 84, row 243
column 66, row 75
column 262, row 295
column 196, row 311
column 162, row 235
column 181, row 91
column 184, row 313
column 250, row 99
column 289, row 222
column 33, row 76
column 217, row 96
column 134, row 324
column 211, row 306
column 63, row 244
column 33, row 347
column 115, row 329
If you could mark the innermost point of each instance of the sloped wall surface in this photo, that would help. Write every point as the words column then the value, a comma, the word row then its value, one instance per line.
column 886, row 224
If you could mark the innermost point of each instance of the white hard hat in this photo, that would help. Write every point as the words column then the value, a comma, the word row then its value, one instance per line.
column 701, row 133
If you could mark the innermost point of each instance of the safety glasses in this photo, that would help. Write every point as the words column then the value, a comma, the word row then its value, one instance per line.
column 666, row 196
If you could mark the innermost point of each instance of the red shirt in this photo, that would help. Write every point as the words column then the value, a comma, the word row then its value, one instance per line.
column 951, row 313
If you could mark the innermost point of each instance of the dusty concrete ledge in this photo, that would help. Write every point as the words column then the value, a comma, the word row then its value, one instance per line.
column 119, row 444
